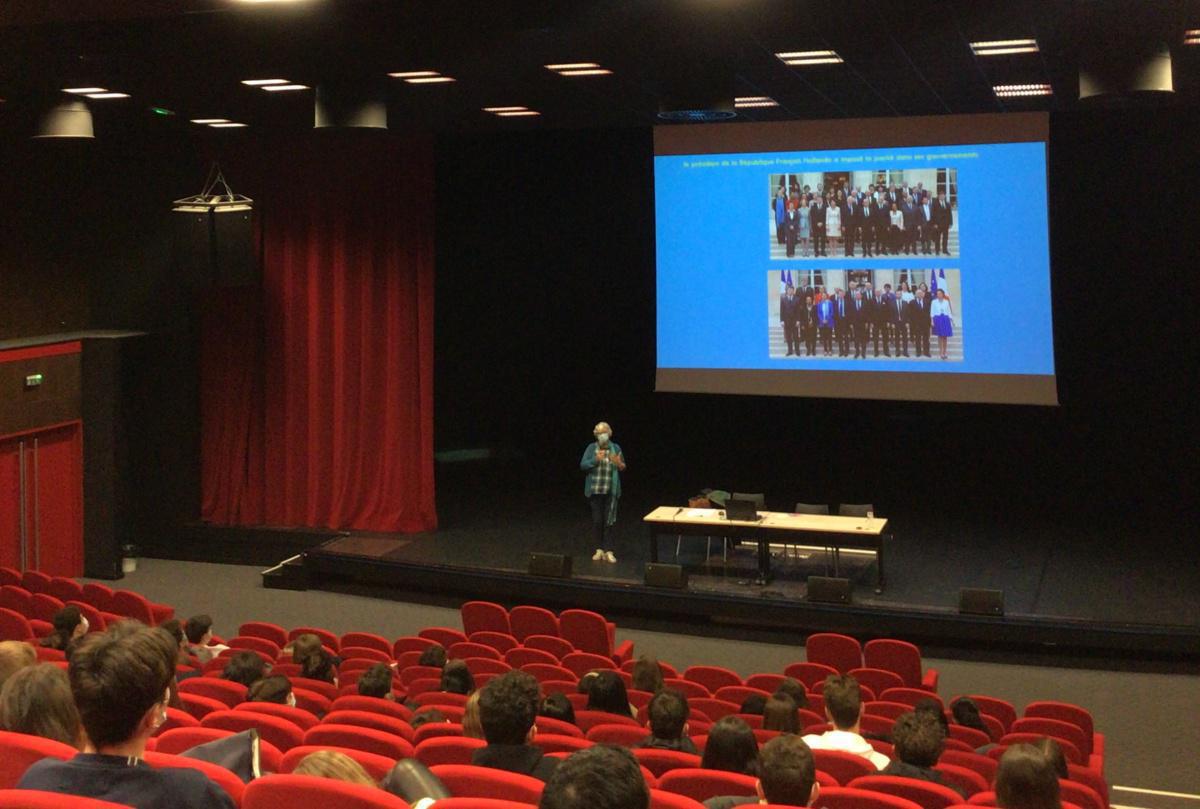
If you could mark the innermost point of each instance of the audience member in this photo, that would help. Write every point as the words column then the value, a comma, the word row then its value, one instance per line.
column 173, row 628
column 780, row 714
column 668, row 712
column 787, row 776
column 199, row 632
column 794, row 689
column 507, row 710
column 607, row 693
column 14, row 656
column 275, row 688
column 457, row 679
column 966, row 713
column 918, row 737
column 557, row 706
column 69, row 626
column 600, row 777
column 433, row 656
column 315, row 662
column 334, row 765
column 37, row 700
column 119, row 680
column 376, row 682
column 1054, row 754
column 427, row 716
column 647, row 676
column 731, row 747
column 753, row 704
column 933, row 708
column 472, row 728
column 1026, row 780
column 843, row 707
column 245, row 667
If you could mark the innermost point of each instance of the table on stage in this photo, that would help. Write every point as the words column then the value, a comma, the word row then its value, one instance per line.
column 830, row 531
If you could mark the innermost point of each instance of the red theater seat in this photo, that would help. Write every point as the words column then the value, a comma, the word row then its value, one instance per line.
column 280, row 732
column 877, row 680
column 500, row 641
column 552, row 743
column 965, row 778
column 465, row 648
column 376, row 766
column 528, row 620
column 660, row 762
column 367, row 640
column 840, row 652
column 700, row 784
column 552, row 644
column 661, row 799
column 443, row 635
column 810, row 673
column 904, row 659
column 35, row 581
column 589, row 632
column 135, row 605
column 713, row 678
column 448, row 750
column 522, row 656
column 360, row 738
column 328, row 639
column 926, row 794
column 18, row 751
column 297, row 716
column 546, row 724
column 845, row 767
column 261, row 629
column 292, row 791
column 484, row 616
column 369, row 719
column 373, row 704
column 851, row 798
column 36, row 799
column 226, row 691
column 580, row 663
column 466, row 781
column 620, row 735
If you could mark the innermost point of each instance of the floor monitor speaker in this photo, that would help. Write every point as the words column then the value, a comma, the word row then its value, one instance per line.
column 980, row 602
column 554, row 565
column 828, row 590
column 664, row 575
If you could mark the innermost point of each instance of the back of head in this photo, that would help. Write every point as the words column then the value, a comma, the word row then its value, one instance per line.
column 117, row 676
column 607, row 693
column 668, row 714
column 647, row 676
column 843, row 700
column 456, row 678
column 779, row 713
column 1054, row 754
column 600, row 777
column 376, row 681
column 557, row 706
column 65, row 621
column 787, row 771
column 753, row 704
column 1026, row 780
column 335, row 765
column 275, row 688
column 508, row 707
column 434, row 656
column 319, row 666
column 173, row 628
column 918, row 739
column 794, row 689
column 305, row 646
column 472, row 728
column 197, row 627
column 37, row 700
column 244, row 667
column 932, row 708
column 14, row 656
column 966, row 713
column 731, row 747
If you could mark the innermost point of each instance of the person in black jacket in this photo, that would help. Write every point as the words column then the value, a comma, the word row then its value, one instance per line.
column 808, row 325
column 918, row 739
column 789, row 316
column 507, row 710
column 918, row 323
column 941, row 219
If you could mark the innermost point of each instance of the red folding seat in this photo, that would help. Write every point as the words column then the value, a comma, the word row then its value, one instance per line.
column 586, row 720
column 766, row 682
column 691, row 690
column 764, row 736
column 283, row 733
column 358, row 663
column 668, row 671
column 46, row 654
column 989, row 799
column 360, row 738
column 200, row 706
column 891, row 710
column 580, row 663
column 442, row 699
column 712, row 677
column 464, row 649
column 713, row 709
column 985, row 766
column 17, row 599
column 1075, row 715
column 412, row 673
column 1081, row 774
column 547, row 724
column 484, row 616
column 621, row 735
column 700, row 784
column 553, row 644
column 297, row 716
column 528, row 620
column 45, row 606
column 878, row 680
column 485, row 665
column 443, row 635
column 965, row 778
column 661, row 799
column 753, row 720
column 18, row 751
column 1055, row 729
column 373, row 704
column 566, row 687
column 811, row 674
column 327, row 690
column 738, row 694
column 448, row 750
column 226, row 691
column 479, row 803
column 544, row 671
column 328, row 639
column 311, row 701
column 910, row 696
column 852, row 798
column 38, row 799
column 973, row 738
column 177, row 718
column 376, row 766
column 254, row 644
column 880, row 746
column 589, row 632
column 177, row 740
column 135, row 605
column 9, row 575
column 638, row 699
column 222, row 777
column 437, row 730
column 553, row 743
column 578, row 701
column 840, row 652
column 65, row 589
column 367, row 640
column 99, row 596
column 467, row 781
column 845, row 767
column 35, row 581
column 411, row 643
column 422, row 685
column 998, row 708
column 289, row 790
column 369, row 719
column 809, row 717
column 500, row 641
column 268, row 631
column 956, row 744
column 870, row 723
column 904, row 659
column 523, row 656
column 660, row 762
column 1069, row 749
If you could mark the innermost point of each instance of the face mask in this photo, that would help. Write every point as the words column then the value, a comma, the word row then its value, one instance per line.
column 291, row 700
column 602, row 438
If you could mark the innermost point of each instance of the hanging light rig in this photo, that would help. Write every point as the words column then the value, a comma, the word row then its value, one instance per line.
column 216, row 197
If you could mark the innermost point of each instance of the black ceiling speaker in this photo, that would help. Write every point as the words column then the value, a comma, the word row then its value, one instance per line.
column 350, row 104
column 1121, row 63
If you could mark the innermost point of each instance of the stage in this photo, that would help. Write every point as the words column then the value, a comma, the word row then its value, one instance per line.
column 1065, row 589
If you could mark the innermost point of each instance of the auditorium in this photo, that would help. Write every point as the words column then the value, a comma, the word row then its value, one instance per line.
column 598, row 405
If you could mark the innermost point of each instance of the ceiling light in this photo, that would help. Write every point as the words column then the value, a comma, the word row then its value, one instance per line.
column 263, row 82
column 429, row 80
column 1019, row 90
column 227, row 125
column 504, row 109
column 414, row 74
column 1191, row 36
column 83, row 90
column 518, row 113
column 755, row 101
column 210, row 120
column 591, row 71
column 107, row 95
column 1001, row 47
column 810, row 57
column 571, row 66
column 275, row 88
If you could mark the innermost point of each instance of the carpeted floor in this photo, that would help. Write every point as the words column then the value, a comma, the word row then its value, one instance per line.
column 1150, row 719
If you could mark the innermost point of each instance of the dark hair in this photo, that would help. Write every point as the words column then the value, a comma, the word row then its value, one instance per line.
column 966, row 713
column 456, row 678
column 434, row 656
column 245, row 667
column 794, row 689
column 731, row 747
column 918, row 738
column 557, row 706
column 780, row 714
column 600, row 777
column 585, row 682
column 270, row 689
column 174, row 629
column 305, row 646
column 426, row 716
column 197, row 627
column 647, row 676
column 787, row 771
column 117, row 676
column 319, row 666
column 64, row 621
column 1053, row 752
column 933, row 708
column 37, row 701
column 376, row 681
column 1026, row 780
column 508, row 707
column 753, row 704
column 607, row 693
column 843, row 700
column 668, row 712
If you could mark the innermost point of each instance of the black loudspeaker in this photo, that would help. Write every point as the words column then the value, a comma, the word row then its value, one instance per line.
column 828, row 589
column 662, row 575
column 554, row 565
column 980, row 602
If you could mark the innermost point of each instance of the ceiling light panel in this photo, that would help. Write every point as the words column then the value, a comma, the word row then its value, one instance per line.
column 1191, row 36
column 80, row 91
column 1004, row 47
column 579, row 69
column 278, row 88
column 825, row 57
column 106, row 96
column 263, row 82
column 430, row 80
column 745, row 102
column 1021, row 90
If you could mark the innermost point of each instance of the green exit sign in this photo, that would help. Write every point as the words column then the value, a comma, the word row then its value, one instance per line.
column 33, row 380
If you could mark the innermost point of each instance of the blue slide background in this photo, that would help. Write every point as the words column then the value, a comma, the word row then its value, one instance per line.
column 713, row 256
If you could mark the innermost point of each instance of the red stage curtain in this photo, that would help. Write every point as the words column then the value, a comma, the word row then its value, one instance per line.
column 345, row 415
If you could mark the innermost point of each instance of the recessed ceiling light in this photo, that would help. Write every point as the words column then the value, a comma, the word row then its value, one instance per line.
column 810, row 57
column 429, row 80
column 571, row 66
column 227, row 125
column 518, row 113
column 275, row 88
column 504, row 109
column 1019, row 90
column 414, row 74
column 210, row 120
column 755, row 101
column 263, row 82
column 83, row 90
column 1001, row 47
column 589, row 71
column 107, row 95
column 1191, row 36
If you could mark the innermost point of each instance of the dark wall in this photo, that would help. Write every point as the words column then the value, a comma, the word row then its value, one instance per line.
column 546, row 303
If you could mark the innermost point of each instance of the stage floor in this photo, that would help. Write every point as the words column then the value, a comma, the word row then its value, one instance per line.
column 1061, row 586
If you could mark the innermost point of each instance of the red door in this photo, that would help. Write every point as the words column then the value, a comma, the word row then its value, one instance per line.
column 51, row 481
column 10, row 502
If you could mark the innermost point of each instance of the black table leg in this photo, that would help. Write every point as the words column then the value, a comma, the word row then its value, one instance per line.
column 764, row 561
column 653, row 534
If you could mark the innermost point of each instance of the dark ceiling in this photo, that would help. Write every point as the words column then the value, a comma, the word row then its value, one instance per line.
column 902, row 57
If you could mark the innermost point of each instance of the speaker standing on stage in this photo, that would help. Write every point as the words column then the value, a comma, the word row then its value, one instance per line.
column 603, row 462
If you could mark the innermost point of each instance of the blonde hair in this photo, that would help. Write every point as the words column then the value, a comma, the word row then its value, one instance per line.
column 472, row 728
column 335, row 765
column 14, row 656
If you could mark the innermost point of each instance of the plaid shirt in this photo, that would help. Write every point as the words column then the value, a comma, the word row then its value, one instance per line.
column 602, row 476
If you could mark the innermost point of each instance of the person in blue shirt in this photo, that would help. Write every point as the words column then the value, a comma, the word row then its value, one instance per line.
column 603, row 462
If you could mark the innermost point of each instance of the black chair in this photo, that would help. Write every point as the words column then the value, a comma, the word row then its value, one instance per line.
column 815, row 508
column 856, row 510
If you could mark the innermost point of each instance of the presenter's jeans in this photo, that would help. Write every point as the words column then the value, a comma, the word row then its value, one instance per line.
column 599, row 504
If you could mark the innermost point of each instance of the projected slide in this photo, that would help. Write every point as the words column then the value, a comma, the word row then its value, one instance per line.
column 911, row 262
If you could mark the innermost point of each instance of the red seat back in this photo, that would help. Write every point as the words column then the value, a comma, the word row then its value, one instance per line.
column 713, row 709
column 443, row 634
column 99, row 596
column 523, row 656
column 660, row 762
column 9, row 575
column 845, row 767
column 37, row 799
column 411, row 643
column 974, row 738
column 965, row 778
column 226, row 691
column 587, row 631
column 448, row 750
column 810, row 673
column 546, row 724
column 553, row 644
column 891, row 710
column 528, row 620
column 18, row 751
column 853, row 798
column 376, row 766
column 370, row 719
column 314, row 703
column 484, row 616
column 177, row 718
column 328, row 639
column 367, row 640
column 479, row 803
column 878, row 680
column 290, row 791
column 580, row 663
column 436, row 730
column 690, row 689
column 200, row 706
column 840, row 652
column 618, row 734
column 555, row 743
column 999, row 708
column 96, row 622
column 372, row 704
column 586, row 720
column 65, row 589
column 35, row 581
column 465, row 648
column 486, row 665
column 297, row 716
column 738, row 694
column 701, row 784
column 981, row 764
column 467, row 781
column 255, row 644
column 325, row 689
column 897, row 656
column 1064, row 712
column 280, row 732
column 910, row 696
column 268, row 631
column 1070, row 750
column 1055, row 728
column 133, row 605
column 177, row 740
column 546, row 671
column 45, row 606
column 360, row 738
column 713, row 678
column 662, row 799
column 765, row 682
column 500, row 641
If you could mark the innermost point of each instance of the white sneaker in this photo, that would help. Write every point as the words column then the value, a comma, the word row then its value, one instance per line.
column 598, row 556
column 609, row 556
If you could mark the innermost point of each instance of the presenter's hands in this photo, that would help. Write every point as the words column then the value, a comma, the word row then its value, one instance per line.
column 601, row 454
column 619, row 461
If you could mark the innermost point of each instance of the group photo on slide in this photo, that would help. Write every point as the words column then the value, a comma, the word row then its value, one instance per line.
column 890, row 212
column 893, row 314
